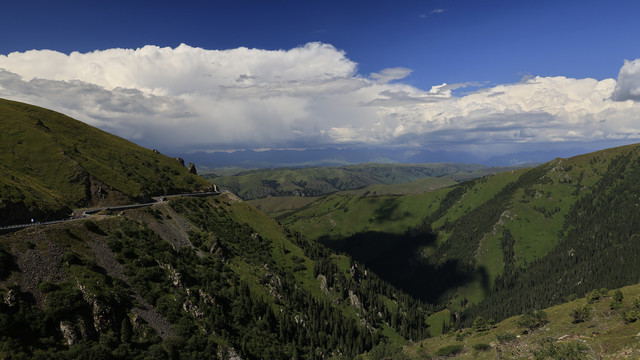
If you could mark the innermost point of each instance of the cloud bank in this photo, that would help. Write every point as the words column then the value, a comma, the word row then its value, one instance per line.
column 187, row 98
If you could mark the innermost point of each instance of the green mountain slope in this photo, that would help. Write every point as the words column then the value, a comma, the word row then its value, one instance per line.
column 50, row 163
column 502, row 244
column 596, row 327
column 191, row 278
column 320, row 181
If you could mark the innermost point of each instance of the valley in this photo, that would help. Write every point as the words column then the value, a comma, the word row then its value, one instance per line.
column 366, row 261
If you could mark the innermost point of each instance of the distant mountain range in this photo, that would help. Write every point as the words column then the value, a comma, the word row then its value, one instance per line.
column 317, row 181
column 250, row 159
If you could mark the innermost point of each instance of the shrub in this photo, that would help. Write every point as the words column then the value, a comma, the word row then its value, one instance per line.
column 70, row 258
column 565, row 351
column 481, row 324
column 47, row 287
column 581, row 314
column 449, row 350
column 114, row 244
column 631, row 315
column 604, row 292
column 505, row 338
column 299, row 267
column 481, row 347
column 594, row 296
column 93, row 227
column 617, row 295
column 533, row 320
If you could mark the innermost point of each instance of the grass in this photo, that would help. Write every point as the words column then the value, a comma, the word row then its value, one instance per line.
column 339, row 215
column 606, row 335
column 436, row 321
column 534, row 214
column 316, row 181
column 276, row 206
column 49, row 160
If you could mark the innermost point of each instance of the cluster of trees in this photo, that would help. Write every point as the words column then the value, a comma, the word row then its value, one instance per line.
column 204, row 292
column 312, row 326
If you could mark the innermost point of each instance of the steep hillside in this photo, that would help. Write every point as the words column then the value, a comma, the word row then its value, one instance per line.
column 320, row 181
column 195, row 277
column 604, row 325
column 502, row 244
column 50, row 163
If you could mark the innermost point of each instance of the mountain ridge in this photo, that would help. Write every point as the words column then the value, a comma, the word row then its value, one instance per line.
column 494, row 232
column 51, row 163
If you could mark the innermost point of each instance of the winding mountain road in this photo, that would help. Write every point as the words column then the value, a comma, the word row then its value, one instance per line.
column 82, row 214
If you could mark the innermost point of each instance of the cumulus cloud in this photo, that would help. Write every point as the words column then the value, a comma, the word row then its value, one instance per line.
column 187, row 98
column 628, row 86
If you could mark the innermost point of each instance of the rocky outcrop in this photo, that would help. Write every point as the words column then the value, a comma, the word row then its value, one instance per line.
column 98, row 193
column 102, row 314
column 11, row 298
column 275, row 285
column 69, row 333
column 192, row 169
column 174, row 275
column 355, row 302
column 191, row 308
column 323, row 283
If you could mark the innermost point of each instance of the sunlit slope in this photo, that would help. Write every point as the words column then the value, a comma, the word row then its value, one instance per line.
column 320, row 181
column 193, row 277
column 607, row 330
column 50, row 163
column 504, row 231
column 341, row 215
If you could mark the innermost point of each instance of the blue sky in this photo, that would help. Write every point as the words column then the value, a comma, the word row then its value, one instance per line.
column 442, row 41
column 385, row 59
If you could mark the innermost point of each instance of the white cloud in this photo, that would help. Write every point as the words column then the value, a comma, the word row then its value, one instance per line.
column 390, row 74
column 628, row 86
column 190, row 98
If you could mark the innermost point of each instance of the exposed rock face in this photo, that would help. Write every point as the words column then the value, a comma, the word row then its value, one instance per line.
column 180, row 160
column 70, row 336
column 192, row 309
column 275, row 285
column 355, row 302
column 11, row 298
column 192, row 169
column 323, row 283
column 102, row 314
column 98, row 193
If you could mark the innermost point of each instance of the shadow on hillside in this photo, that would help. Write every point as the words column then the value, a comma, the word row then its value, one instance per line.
column 7, row 264
column 388, row 211
column 396, row 259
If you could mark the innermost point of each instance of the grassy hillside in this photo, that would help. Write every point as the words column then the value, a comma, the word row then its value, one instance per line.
column 50, row 163
column 343, row 214
column 320, row 181
column 280, row 207
column 191, row 278
column 498, row 245
column 596, row 327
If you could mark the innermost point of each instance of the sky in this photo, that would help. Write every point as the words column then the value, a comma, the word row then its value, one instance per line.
column 484, row 77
